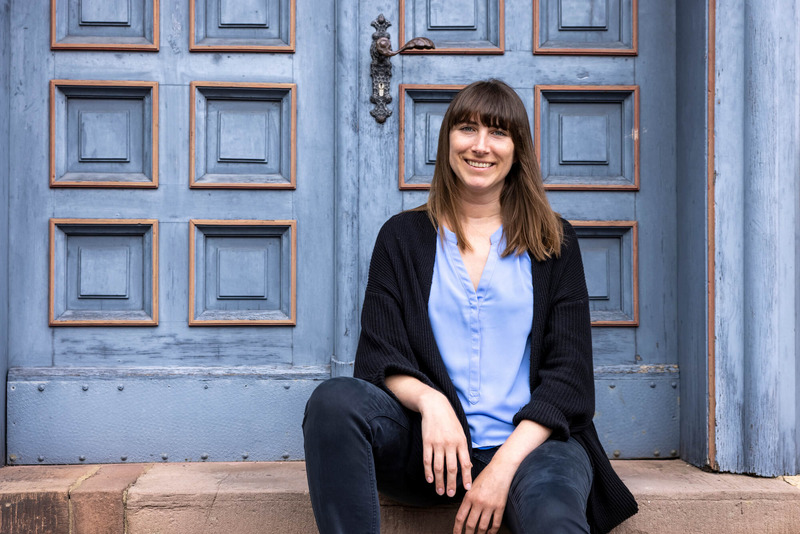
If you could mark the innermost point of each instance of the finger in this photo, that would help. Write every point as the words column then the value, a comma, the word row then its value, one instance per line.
column 427, row 459
column 483, row 524
column 438, row 470
column 461, row 516
column 452, row 472
column 472, row 521
column 497, row 520
column 466, row 467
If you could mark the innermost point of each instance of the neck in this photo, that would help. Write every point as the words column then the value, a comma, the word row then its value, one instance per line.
column 480, row 210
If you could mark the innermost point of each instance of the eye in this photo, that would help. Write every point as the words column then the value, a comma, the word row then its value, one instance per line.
column 466, row 128
column 501, row 133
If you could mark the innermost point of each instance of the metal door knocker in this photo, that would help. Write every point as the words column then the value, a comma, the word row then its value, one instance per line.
column 381, row 67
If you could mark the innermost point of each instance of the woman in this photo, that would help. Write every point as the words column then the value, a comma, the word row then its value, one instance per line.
column 474, row 375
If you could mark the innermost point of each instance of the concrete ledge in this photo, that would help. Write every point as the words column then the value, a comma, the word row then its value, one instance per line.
column 245, row 498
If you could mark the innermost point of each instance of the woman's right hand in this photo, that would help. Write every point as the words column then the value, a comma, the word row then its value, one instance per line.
column 444, row 445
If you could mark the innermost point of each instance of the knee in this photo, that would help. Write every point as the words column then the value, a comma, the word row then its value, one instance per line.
column 331, row 402
column 547, row 509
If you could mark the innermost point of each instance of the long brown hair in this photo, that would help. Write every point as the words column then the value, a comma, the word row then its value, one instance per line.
column 529, row 223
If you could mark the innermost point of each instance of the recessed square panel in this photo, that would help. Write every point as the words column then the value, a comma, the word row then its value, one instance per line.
column 422, row 108
column 587, row 137
column 242, row 25
column 103, row 272
column 104, row 25
column 244, row 135
column 610, row 263
column 583, row 139
column 105, row 12
column 103, row 134
column 242, row 272
column 582, row 15
column 452, row 14
column 455, row 26
column 585, row 27
column 253, row 13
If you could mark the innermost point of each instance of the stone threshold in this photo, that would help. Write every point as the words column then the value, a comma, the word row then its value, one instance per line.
column 267, row 497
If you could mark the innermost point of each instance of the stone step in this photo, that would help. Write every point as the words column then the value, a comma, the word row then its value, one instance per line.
column 253, row 497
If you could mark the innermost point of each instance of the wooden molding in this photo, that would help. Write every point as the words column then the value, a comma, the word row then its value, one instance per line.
column 153, row 321
column 634, row 226
column 292, row 184
column 100, row 47
column 288, row 48
column 499, row 50
column 537, row 120
column 153, row 184
column 401, row 108
column 291, row 320
column 633, row 51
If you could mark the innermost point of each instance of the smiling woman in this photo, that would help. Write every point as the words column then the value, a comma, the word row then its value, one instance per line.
column 474, row 365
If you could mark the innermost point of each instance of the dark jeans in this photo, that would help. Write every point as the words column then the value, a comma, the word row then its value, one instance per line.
column 359, row 440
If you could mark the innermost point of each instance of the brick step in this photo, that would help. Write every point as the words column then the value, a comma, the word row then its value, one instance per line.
column 245, row 498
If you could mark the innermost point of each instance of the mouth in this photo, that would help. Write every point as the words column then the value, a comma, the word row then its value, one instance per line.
column 479, row 164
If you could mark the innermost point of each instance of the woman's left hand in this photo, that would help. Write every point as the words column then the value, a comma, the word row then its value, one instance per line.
column 481, row 511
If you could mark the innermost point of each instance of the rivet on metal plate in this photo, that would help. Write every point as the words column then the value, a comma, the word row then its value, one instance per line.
column 245, row 455
column 617, row 454
column 120, row 387
column 164, row 456
column 123, row 458
column 41, row 387
column 85, row 387
column 82, row 458
column 656, row 453
column 204, row 456
column 673, row 452
column 652, row 384
column 40, row 458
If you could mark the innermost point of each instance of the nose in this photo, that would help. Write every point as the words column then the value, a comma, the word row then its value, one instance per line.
column 480, row 145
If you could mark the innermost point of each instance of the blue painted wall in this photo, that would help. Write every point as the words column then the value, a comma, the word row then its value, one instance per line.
column 5, row 57
column 691, row 181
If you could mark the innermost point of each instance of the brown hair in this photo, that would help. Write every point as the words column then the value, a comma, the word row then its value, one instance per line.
column 529, row 223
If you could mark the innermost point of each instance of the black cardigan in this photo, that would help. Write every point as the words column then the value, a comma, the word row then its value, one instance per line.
column 397, row 338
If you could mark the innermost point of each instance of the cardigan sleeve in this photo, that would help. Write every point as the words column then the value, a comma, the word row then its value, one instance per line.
column 562, row 382
column 384, row 348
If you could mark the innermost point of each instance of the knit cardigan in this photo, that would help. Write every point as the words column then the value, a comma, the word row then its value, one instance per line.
column 397, row 338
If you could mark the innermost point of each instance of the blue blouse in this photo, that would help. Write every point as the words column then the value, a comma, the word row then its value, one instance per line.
column 484, row 335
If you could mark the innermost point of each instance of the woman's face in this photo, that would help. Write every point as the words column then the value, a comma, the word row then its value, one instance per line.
column 481, row 156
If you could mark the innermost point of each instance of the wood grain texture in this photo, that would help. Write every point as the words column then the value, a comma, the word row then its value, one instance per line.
column 537, row 129
column 586, row 51
column 152, row 320
column 194, row 183
column 401, row 112
column 498, row 50
column 288, row 48
column 194, row 320
column 109, row 46
column 634, row 226
column 153, row 86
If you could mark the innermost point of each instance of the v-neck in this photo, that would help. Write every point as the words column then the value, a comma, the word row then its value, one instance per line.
column 457, row 262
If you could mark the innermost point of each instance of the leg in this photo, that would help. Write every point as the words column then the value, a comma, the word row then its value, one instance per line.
column 356, row 433
column 550, row 490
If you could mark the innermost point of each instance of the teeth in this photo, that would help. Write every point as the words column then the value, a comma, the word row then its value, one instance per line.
column 481, row 164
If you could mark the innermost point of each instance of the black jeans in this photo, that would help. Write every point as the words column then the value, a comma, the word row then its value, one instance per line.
column 359, row 440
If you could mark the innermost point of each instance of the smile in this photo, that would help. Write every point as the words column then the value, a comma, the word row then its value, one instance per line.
column 479, row 164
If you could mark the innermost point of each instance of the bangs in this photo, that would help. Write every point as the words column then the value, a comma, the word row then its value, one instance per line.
column 486, row 103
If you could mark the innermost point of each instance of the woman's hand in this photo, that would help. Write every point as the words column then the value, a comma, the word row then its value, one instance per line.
column 481, row 511
column 444, row 445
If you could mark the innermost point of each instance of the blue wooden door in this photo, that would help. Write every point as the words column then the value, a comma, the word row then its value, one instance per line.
column 171, row 228
column 597, row 80
column 196, row 186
